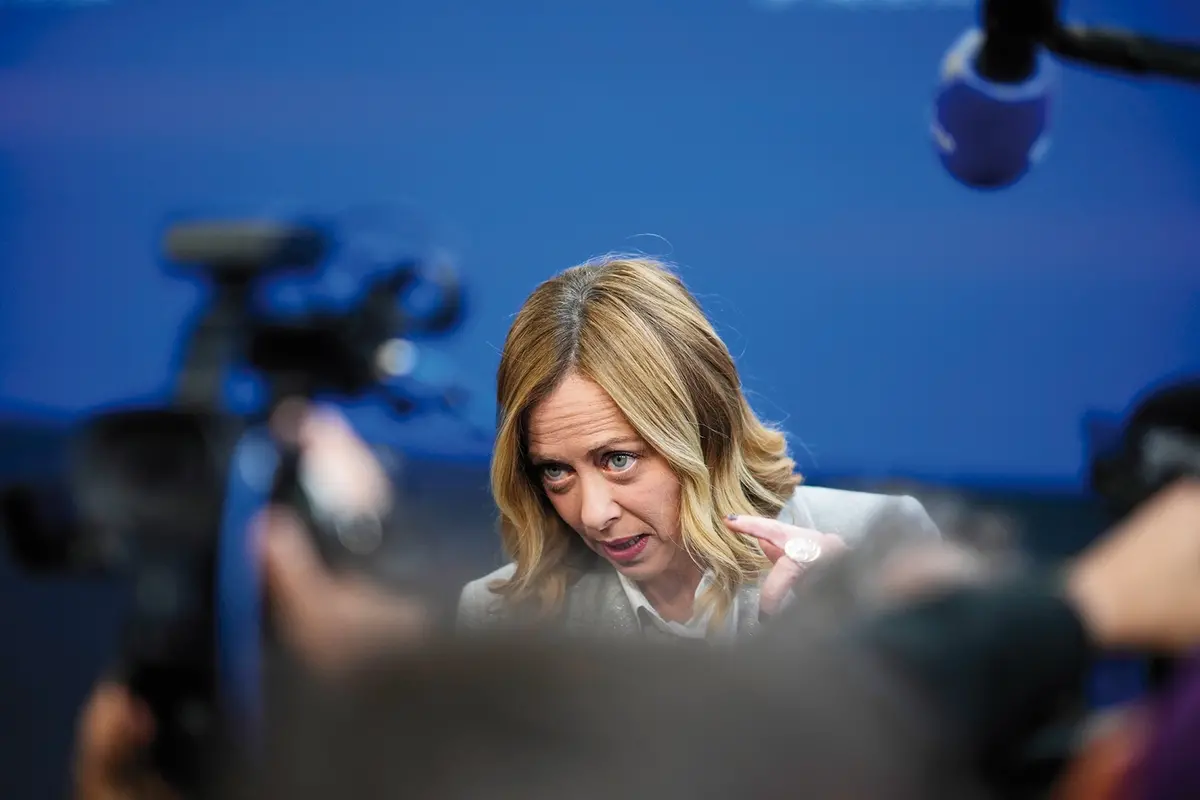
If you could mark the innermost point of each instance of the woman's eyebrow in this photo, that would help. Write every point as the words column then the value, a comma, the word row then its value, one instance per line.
column 608, row 444
column 537, row 457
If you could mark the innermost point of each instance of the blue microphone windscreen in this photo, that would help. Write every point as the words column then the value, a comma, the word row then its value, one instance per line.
column 989, row 134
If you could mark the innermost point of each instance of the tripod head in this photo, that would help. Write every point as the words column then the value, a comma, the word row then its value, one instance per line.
column 144, row 492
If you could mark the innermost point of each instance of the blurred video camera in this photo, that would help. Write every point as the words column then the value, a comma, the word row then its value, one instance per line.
column 145, row 488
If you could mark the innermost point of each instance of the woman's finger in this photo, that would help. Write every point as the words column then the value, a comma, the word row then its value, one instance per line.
column 775, row 587
column 766, row 530
column 771, row 533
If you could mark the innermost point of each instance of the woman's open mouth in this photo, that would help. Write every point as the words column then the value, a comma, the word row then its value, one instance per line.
column 626, row 549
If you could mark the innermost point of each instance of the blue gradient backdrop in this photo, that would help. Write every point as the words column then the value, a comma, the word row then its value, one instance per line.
column 893, row 320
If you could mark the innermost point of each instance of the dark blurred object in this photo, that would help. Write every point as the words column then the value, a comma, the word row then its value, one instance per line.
column 527, row 715
column 1105, row 757
column 142, row 493
column 1146, row 752
column 1169, row 769
column 244, row 248
column 1130, row 461
column 1160, row 443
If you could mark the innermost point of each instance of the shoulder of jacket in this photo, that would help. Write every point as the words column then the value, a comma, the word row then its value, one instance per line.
column 481, row 587
column 848, row 513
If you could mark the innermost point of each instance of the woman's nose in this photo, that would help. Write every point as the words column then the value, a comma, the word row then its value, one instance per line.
column 599, row 509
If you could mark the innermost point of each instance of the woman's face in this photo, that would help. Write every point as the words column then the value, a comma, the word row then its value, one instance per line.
column 603, row 480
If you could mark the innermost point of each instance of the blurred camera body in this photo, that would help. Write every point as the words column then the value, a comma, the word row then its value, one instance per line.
column 143, row 494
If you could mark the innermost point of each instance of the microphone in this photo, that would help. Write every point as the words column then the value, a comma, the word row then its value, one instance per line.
column 992, row 112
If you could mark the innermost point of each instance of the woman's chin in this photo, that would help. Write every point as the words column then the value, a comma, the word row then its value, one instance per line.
column 646, row 565
column 629, row 568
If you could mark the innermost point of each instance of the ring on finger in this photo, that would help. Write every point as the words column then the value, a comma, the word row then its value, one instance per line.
column 802, row 550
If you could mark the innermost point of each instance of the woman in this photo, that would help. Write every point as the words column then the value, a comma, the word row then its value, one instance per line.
column 638, row 491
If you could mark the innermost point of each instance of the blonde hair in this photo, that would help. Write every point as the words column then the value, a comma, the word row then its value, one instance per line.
column 632, row 327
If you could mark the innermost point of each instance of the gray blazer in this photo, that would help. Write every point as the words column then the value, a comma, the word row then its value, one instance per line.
column 597, row 603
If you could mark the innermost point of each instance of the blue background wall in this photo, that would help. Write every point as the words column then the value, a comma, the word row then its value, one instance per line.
column 893, row 320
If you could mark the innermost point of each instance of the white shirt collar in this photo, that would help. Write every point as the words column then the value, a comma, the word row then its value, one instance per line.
column 695, row 628
column 793, row 513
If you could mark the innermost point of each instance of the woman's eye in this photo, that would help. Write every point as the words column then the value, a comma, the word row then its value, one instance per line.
column 553, row 473
column 620, row 461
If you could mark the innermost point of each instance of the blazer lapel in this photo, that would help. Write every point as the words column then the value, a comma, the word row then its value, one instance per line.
column 747, row 610
column 596, row 604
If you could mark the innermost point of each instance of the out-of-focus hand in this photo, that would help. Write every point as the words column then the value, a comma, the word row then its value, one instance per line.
column 1108, row 752
column 330, row 620
column 1138, row 587
column 336, row 466
column 112, row 734
column 774, row 536
column 922, row 568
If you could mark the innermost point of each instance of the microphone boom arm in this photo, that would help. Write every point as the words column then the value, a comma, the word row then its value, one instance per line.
column 1123, row 52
